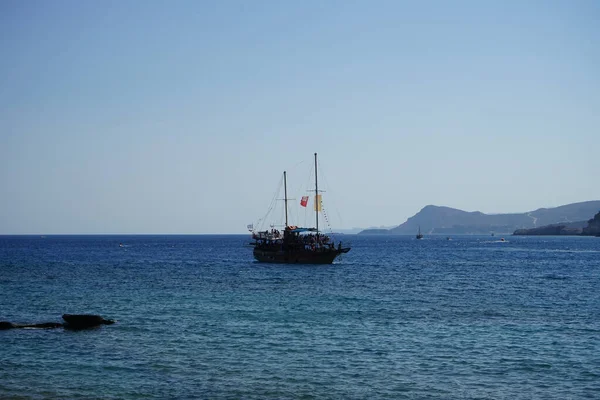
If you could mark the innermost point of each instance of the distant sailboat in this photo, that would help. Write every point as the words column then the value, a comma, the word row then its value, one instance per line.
column 419, row 234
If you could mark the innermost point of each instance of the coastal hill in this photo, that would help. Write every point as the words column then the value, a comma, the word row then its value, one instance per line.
column 445, row 220
column 585, row 228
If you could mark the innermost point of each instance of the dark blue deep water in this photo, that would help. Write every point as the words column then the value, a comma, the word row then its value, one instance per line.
column 470, row 318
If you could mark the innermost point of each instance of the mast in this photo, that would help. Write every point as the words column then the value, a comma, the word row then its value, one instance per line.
column 285, row 198
column 317, row 205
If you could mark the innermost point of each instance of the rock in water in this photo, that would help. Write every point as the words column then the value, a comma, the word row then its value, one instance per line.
column 4, row 325
column 44, row 325
column 83, row 321
column 72, row 321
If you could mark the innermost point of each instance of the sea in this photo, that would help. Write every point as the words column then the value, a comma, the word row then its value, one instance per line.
column 473, row 317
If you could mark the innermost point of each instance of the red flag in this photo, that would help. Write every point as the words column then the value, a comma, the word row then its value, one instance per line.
column 304, row 201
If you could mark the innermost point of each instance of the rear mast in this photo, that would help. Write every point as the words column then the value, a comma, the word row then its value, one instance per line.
column 317, row 205
column 285, row 198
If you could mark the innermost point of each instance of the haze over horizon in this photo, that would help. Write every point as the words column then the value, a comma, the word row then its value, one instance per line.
column 143, row 117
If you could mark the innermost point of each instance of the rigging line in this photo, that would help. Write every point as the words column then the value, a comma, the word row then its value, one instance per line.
column 305, row 215
column 332, row 198
column 325, row 217
column 282, row 217
column 295, row 217
column 310, row 176
column 294, row 167
column 297, row 191
column 294, row 212
column 272, row 204
column 303, row 189
column 312, row 198
column 333, row 237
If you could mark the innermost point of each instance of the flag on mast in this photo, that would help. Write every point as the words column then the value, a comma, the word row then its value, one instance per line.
column 304, row 201
column 318, row 202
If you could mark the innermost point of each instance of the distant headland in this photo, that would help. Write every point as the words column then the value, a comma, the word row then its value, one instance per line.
column 573, row 218
column 582, row 228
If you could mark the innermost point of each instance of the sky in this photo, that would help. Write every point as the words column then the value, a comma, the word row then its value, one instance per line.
column 180, row 117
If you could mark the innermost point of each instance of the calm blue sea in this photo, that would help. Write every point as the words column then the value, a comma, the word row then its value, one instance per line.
column 469, row 318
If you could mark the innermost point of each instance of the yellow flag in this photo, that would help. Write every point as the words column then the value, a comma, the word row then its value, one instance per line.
column 318, row 202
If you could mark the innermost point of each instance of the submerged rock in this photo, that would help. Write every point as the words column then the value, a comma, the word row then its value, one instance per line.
column 72, row 321
column 4, row 325
column 44, row 325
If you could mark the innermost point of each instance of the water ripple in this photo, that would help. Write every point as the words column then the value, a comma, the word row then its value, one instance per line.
column 198, row 318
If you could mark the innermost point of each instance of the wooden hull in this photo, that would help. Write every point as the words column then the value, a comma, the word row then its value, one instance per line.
column 298, row 257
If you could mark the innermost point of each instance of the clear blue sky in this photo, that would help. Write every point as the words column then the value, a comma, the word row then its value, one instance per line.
column 179, row 117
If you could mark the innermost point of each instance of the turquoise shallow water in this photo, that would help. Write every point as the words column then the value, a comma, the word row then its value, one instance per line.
column 395, row 318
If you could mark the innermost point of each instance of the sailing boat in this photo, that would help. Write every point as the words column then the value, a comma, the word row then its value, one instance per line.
column 419, row 234
column 296, row 245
